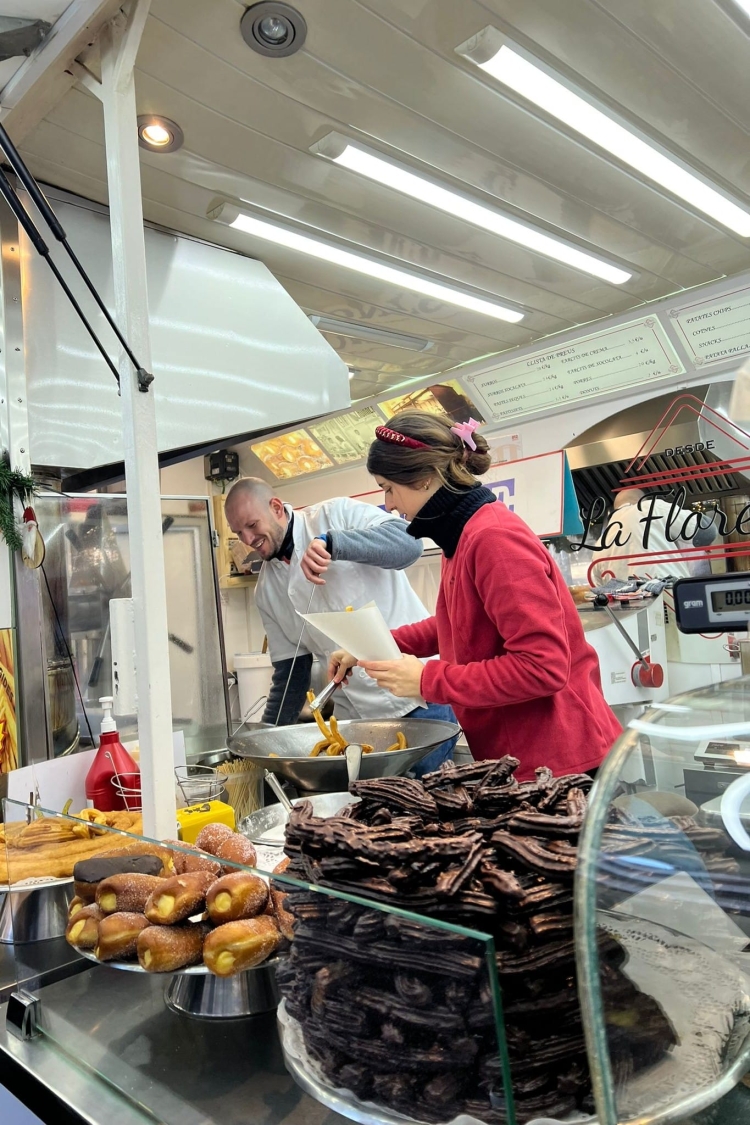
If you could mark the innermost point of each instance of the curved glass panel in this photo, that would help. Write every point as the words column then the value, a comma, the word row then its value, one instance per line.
column 664, row 871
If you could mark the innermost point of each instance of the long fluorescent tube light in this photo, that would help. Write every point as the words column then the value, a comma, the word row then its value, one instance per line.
column 368, row 162
column 372, row 267
column 744, row 5
column 493, row 53
column 353, row 329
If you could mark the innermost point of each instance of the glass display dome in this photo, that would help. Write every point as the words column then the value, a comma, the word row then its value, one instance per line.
column 664, row 877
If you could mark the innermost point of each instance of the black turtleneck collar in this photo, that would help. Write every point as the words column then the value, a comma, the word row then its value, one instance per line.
column 445, row 515
column 285, row 551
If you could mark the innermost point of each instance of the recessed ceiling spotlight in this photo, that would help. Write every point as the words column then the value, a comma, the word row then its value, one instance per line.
column 159, row 134
column 273, row 28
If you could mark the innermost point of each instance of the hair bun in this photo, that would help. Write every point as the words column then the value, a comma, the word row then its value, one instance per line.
column 478, row 460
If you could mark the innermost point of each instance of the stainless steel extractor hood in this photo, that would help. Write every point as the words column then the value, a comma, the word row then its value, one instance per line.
column 600, row 457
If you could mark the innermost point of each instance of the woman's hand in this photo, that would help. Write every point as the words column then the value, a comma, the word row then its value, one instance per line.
column 315, row 562
column 402, row 678
column 340, row 665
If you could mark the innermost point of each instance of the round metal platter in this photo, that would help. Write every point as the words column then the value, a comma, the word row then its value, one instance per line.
column 134, row 967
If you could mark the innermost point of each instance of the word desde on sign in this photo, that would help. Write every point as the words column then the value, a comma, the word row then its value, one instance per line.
column 676, row 524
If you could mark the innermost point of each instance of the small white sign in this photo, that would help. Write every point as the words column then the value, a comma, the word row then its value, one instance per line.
column 715, row 330
column 533, row 488
column 505, row 447
column 611, row 359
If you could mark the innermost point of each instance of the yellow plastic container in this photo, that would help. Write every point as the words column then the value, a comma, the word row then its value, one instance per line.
column 193, row 818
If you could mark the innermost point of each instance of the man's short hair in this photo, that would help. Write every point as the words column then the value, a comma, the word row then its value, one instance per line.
column 251, row 488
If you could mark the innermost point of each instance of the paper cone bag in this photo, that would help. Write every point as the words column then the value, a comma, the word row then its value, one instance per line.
column 362, row 632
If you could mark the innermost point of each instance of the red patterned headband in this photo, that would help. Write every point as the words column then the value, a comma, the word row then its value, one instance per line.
column 383, row 433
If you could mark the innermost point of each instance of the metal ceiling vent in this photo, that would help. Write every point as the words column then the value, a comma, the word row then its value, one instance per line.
column 20, row 36
column 273, row 29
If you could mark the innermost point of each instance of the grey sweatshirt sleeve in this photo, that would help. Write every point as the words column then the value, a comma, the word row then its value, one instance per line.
column 387, row 545
column 296, row 694
column 705, row 535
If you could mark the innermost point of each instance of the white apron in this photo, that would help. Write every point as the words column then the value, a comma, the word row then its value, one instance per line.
column 283, row 592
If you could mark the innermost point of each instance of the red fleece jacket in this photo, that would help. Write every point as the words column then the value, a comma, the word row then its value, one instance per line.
column 514, row 662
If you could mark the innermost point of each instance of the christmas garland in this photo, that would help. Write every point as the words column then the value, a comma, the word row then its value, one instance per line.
column 14, row 485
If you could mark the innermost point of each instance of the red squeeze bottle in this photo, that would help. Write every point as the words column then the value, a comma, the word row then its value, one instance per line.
column 111, row 758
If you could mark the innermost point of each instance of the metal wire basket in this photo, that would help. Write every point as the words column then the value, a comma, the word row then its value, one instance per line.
column 198, row 784
column 127, row 786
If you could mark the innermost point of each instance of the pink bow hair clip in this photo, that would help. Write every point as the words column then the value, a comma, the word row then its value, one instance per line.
column 464, row 430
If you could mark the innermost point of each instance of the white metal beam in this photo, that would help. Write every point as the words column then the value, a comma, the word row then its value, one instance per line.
column 117, row 91
column 14, row 417
column 42, row 80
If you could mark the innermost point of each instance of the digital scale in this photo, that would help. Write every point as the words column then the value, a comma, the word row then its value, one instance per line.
column 716, row 603
column 719, row 754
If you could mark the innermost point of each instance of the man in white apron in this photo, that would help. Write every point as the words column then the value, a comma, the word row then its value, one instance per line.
column 370, row 550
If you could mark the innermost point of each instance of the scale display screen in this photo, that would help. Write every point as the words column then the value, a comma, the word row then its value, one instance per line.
column 716, row 604
column 724, row 600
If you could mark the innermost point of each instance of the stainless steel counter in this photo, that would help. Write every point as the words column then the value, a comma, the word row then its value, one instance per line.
column 593, row 618
column 116, row 1055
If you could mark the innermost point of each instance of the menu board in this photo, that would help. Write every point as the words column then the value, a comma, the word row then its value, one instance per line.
column 291, row 455
column 347, row 437
column 715, row 330
column 604, row 361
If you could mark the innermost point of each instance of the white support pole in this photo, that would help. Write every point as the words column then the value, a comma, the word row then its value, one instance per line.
column 118, row 49
column 14, row 418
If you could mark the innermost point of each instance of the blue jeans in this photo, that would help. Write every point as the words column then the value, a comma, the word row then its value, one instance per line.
column 441, row 753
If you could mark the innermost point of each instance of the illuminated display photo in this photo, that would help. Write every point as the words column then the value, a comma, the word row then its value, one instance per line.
column 441, row 398
column 348, row 437
column 8, row 737
column 292, row 455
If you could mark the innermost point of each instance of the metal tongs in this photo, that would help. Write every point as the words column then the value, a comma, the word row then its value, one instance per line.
column 353, row 752
column 322, row 697
column 274, row 783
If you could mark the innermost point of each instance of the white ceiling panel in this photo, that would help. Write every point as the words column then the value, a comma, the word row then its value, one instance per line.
column 386, row 72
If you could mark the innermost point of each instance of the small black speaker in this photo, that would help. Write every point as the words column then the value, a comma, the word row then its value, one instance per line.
column 222, row 465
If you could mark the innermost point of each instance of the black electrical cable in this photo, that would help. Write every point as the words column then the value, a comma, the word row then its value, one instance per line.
column 145, row 378
column 69, row 653
column 42, row 249
column 42, row 204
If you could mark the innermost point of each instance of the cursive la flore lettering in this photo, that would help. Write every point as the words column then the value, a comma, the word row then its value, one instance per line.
column 676, row 524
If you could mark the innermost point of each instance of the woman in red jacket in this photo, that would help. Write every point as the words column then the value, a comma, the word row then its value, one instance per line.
column 513, row 660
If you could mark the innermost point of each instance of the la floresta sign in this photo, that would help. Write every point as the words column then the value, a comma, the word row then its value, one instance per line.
column 675, row 524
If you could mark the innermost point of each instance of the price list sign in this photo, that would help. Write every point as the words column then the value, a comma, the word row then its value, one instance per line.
column 715, row 330
column 609, row 360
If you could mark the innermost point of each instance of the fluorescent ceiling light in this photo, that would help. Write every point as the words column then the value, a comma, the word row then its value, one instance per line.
column 372, row 164
column 367, row 332
column 372, row 267
column 520, row 72
column 744, row 5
